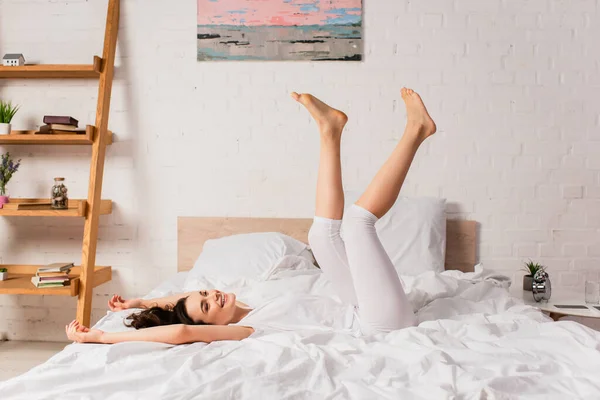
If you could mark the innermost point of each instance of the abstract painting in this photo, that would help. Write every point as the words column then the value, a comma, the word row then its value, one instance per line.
column 308, row 30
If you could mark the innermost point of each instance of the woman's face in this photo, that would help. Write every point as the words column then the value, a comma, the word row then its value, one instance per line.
column 211, row 307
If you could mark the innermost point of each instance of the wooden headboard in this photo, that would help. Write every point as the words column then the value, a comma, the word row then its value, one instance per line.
column 192, row 232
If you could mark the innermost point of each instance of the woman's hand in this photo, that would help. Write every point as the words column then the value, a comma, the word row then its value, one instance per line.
column 117, row 303
column 81, row 334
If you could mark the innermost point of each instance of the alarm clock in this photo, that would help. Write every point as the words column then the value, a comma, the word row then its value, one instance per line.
column 542, row 288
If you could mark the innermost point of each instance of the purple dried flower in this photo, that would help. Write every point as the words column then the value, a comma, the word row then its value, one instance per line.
column 7, row 169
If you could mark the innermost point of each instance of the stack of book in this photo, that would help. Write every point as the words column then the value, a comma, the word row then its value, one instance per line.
column 60, row 125
column 53, row 275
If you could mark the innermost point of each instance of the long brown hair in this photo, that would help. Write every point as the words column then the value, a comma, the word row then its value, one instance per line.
column 157, row 316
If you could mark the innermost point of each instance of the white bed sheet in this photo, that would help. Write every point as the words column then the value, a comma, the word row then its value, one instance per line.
column 473, row 342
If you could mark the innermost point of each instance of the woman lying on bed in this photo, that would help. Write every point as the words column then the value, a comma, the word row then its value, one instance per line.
column 360, row 270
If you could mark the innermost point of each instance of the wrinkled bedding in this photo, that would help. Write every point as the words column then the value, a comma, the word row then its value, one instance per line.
column 473, row 341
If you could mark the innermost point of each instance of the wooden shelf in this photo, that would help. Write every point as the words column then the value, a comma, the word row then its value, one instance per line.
column 77, row 208
column 53, row 71
column 102, row 69
column 33, row 137
column 19, row 281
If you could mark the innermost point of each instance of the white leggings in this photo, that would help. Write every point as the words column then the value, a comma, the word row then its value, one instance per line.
column 361, row 272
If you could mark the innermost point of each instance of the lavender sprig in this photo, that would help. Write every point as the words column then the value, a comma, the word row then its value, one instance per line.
column 7, row 168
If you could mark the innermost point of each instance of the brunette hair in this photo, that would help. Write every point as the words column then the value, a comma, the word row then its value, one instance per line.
column 157, row 316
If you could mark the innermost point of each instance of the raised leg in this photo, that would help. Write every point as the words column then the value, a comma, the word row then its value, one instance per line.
column 383, row 191
column 331, row 122
column 382, row 302
column 324, row 236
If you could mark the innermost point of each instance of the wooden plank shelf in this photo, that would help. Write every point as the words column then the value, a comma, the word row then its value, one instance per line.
column 77, row 208
column 54, row 71
column 103, row 70
column 34, row 137
column 19, row 281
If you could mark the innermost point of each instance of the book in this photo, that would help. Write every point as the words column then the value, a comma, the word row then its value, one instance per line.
column 59, row 119
column 60, row 278
column 47, row 284
column 56, row 267
column 39, row 283
column 47, row 130
column 34, row 206
column 62, row 127
column 53, row 275
column 50, row 285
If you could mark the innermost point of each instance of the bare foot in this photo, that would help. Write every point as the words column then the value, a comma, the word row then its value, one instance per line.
column 331, row 122
column 418, row 117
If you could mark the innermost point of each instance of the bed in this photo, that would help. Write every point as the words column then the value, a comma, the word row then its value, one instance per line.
column 473, row 341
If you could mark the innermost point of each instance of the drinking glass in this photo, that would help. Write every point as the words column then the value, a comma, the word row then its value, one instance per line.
column 592, row 290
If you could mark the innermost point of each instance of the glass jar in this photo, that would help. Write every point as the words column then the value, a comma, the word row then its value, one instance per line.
column 60, row 199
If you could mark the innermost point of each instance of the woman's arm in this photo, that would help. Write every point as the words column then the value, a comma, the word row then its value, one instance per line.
column 117, row 303
column 180, row 334
column 171, row 334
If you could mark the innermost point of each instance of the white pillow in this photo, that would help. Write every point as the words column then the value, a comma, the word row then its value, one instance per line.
column 413, row 233
column 286, row 266
column 236, row 259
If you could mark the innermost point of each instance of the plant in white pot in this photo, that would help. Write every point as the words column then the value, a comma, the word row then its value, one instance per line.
column 7, row 112
column 3, row 274
column 7, row 168
column 531, row 268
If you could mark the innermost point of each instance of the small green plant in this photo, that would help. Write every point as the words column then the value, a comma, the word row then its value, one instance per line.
column 7, row 111
column 532, row 267
column 3, row 270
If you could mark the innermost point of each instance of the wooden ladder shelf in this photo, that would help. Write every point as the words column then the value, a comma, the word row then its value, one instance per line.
column 86, row 276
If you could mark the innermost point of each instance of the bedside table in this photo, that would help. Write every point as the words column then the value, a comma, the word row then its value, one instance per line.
column 558, row 297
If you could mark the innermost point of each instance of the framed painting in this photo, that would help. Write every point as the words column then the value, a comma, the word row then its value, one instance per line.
column 264, row 30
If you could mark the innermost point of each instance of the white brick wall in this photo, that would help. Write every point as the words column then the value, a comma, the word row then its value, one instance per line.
column 512, row 84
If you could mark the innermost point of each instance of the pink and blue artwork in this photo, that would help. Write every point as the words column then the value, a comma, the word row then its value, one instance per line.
column 263, row 30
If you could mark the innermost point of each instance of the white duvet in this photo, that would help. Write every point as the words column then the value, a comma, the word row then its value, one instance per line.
column 473, row 342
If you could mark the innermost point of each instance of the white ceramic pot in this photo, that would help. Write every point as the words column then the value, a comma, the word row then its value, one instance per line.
column 3, row 276
column 4, row 129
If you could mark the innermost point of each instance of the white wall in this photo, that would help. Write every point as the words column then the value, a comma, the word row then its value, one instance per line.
column 512, row 84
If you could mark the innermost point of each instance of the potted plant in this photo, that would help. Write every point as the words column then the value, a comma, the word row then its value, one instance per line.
column 531, row 268
column 7, row 112
column 7, row 168
column 3, row 274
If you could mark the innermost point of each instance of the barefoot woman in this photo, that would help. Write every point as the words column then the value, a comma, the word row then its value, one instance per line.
column 359, row 268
